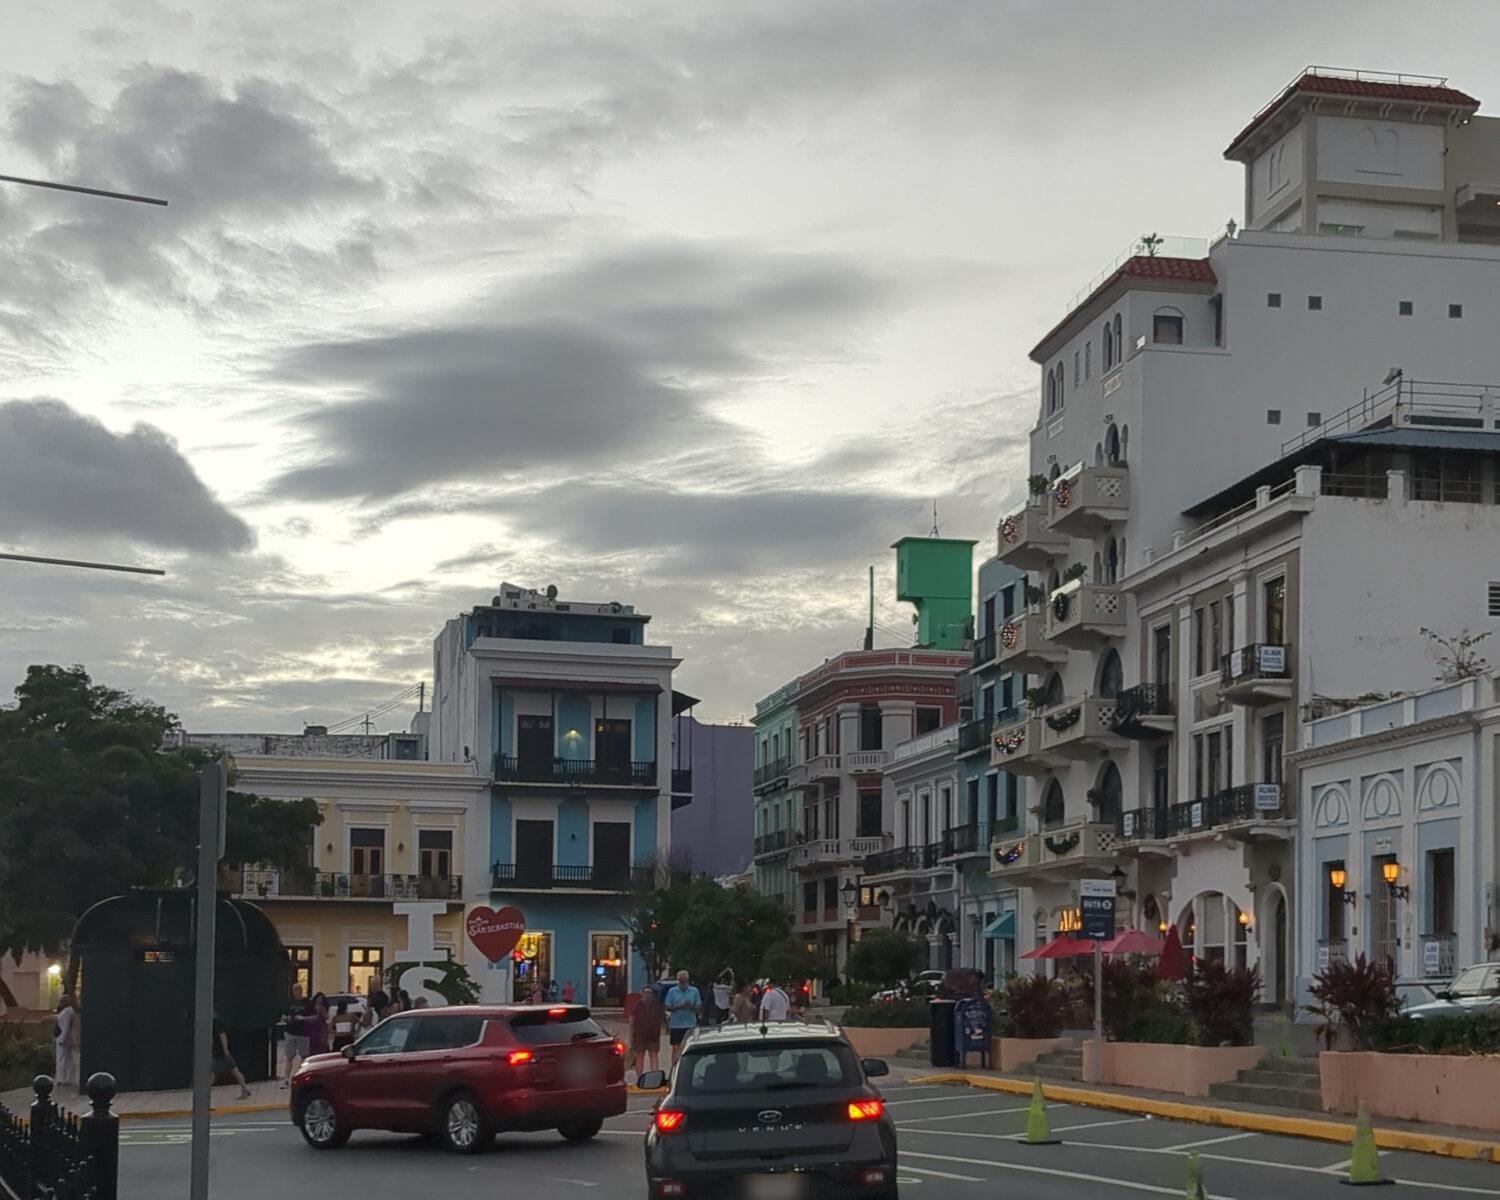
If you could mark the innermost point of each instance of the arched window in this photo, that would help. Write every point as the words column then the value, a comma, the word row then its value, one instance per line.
column 1109, row 347
column 1054, row 472
column 1059, row 385
column 1098, row 454
column 1119, row 339
column 1124, row 444
column 1111, row 445
column 1111, row 572
column 1054, row 581
column 1052, row 691
column 1111, row 680
column 1168, row 327
column 1123, row 569
column 1054, row 808
column 1107, row 793
column 1051, row 393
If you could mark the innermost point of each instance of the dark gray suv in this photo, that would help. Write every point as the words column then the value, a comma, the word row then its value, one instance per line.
column 781, row 1111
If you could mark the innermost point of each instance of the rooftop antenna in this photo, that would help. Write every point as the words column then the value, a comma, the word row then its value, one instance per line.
column 870, row 628
column 934, row 532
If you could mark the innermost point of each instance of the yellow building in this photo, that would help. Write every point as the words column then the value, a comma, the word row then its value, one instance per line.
column 392, row 832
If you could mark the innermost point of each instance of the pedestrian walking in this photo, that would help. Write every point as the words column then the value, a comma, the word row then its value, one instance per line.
column 345, row 1026
column 568, row 992
column 684, row 1004
column 538, row 993
column 379, row 1003
column 221, row 1061
column 64, row 1041
column 723, row 988
column 745, row 1007
column 317, row 1028
column 645, row 1031
column 554, row 992
column 296, row 1045
column 774, row 1003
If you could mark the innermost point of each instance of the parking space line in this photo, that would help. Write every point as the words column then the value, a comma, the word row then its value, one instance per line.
column 906, row 1166
column 1233, row 1137
column 1058, row 1173
column 933, row 1099
column 1096, row 1124
column 988, row 1112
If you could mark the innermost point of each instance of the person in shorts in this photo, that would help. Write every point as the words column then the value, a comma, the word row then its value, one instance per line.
column 297, row 1043
column 222, row 1061
column 683, row 1004
column 645, row 1031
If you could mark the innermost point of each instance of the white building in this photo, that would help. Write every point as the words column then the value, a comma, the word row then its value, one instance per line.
column 1371, row 252
column 1397, row 845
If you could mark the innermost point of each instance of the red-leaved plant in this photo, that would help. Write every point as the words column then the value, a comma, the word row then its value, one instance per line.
column 1355, row 999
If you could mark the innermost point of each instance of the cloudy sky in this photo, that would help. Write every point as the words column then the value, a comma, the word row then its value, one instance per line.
column 695, row 305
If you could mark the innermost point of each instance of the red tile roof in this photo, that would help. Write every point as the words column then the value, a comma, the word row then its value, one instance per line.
column 1174, row 270
column 1356, row 89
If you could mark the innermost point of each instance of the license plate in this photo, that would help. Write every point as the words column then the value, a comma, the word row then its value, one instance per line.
column 579, row 1071
column 773, row 1187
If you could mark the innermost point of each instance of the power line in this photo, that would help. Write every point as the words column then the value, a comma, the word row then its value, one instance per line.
column 83, row 191
column 73, row 562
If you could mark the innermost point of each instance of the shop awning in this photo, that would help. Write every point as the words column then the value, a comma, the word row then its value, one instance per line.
column 1003, row 926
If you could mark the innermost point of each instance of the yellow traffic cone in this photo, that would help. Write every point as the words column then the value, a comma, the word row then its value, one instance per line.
column 1194, row 1189
column 1037, row 1133
column 1364, row 1162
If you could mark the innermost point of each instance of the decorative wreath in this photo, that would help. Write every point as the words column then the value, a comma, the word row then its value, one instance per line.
column 1060, row 721
column 1009, row 635
column 1010, row 743
column 1060, row 606
column 1061, row 845
column 1062, row 493
column 1010, row 529
column 1008, row 854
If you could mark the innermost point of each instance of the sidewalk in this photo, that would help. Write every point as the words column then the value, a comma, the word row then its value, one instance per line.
column 1390, row 1134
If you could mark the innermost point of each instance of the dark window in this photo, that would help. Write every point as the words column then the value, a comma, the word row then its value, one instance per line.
column 928, row 719
column 1315, row 303
column 620, row 637
column 444, row 1033
column 1273, row 416
column 367, row 851
column 611, row 851
column 1161, row 654
column 992, row 800
column 612, row 742
column 1166, row 329
column 1161, row 775
column 1111, row 675
column 772, row 1068
column 1273, row 299
column 1404, row 308
column 1314, row 419
column 1440, row 892
column 533, row 853
column 1054, row 808
column 1273, row 594
column 1272, row 744
column 1199, row 648
column 535, row 745
column 987, row 622
column 1333, row 914
column 1456, row 311
column 830, row 893
column 809, row 897
column 869, row 815
column 1217, row 304
column 1107, row 794
column 554, row 1027
column 971, row 792
column 869, row 727
column 435, row 853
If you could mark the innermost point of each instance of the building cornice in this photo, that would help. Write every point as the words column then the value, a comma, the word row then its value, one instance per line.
column 1395, row 736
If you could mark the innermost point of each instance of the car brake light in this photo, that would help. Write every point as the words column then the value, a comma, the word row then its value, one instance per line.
column 668, row 1120
column 865, row 1110
column 669, row 1188
column 619, row 1049
column 557, row 1012
column 517, row 1057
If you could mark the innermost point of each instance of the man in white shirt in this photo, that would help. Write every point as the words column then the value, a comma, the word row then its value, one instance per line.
column 722, row 989
column 774, row 1005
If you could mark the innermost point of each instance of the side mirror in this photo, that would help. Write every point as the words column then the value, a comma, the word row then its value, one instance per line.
column 651, row 1081
column 874, row 1067
column 348, row 1052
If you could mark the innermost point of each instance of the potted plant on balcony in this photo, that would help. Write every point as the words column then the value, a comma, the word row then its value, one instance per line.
column 1035, row 594
column 1074, row 571
column 1036, row 699
column 1038, row 484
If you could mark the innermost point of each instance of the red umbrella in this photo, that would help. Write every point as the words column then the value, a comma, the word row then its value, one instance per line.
column 1063, row 947
column 1172, row 964
column 1133, row 941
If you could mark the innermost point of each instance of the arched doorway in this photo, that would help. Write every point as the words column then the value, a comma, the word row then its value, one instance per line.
column 1054, row 806
column 1111, row 680
column 1107, row 793
column 1112, row 445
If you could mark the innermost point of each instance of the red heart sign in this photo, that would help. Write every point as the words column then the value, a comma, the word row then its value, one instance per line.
column 495, row 934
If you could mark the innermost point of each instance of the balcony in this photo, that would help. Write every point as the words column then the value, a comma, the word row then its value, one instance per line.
column 1081, row 729
column 903, row 860
column 1024, row 646
column 1142, row 825
column 1017, row 748
column 864, row 762
column 1241, row 809
column 1063, row 852
column 1082, row 615
column 772, row 773
column 831, row 851
column 809, row 775
column 1085, row 500
column 974, row 735
column 542, row 877
column 575, row 772
column 1143, row 712
column 303, row 883
column 984, row 649
column 965, row 841
column 1026, row 541
column 1257, row 674
column 773, row 843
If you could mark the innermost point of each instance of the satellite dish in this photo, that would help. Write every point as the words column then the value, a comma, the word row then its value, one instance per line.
column 552, row 591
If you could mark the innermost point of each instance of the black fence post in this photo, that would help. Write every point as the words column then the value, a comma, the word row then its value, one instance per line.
column 43, row 1117
column 101, row 1138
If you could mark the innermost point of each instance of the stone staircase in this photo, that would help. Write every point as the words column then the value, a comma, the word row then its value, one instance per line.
column 921, row 1052
column 1277, row 1081
column 1065, row 1064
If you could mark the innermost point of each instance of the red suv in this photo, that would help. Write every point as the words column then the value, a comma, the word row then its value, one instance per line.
column 465, row 1074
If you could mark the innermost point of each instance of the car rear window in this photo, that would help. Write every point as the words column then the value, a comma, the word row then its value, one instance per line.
column 555, row 1025
column 768, row 1068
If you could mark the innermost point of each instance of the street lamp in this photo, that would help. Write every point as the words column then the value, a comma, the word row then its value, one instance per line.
column 851, row 893
column 1391, row 871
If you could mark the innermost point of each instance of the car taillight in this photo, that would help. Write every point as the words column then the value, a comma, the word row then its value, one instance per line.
column 619, row 1049
column 865, row 1110
column 668, row 1120
column 517, row 1057
column 557, row 1012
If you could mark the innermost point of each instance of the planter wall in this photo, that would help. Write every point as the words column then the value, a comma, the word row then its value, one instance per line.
column 1185, row 1070
column 881, row 1043
column 1443, row 1089
column 1012, row 1054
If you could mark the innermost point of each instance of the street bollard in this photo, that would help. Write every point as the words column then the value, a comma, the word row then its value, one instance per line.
column 40, row 1133
column 101, row 1138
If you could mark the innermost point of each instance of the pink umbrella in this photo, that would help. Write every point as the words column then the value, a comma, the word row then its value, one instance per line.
column 1133, row 941
column 1172, row 964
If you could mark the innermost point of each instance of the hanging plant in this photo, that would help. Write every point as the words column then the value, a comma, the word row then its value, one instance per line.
column 1075, row 571
column 1037, row 484
column 1059, row 721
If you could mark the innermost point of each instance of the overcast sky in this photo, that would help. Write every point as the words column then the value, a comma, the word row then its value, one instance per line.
column 696, row 305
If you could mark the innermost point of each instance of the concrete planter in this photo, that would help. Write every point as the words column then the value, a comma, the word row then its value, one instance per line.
column 1445, row 1089
column 1012, row 1054
column 882, row 1043
column 1185, row 1070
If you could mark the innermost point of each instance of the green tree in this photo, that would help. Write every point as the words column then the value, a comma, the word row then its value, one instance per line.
column 885, row 957
column 456, row 986
column 790, row 960
column 693, row 924
column 91, row 805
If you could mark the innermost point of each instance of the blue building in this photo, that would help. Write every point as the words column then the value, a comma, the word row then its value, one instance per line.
column 568, row 712
column 989, row 799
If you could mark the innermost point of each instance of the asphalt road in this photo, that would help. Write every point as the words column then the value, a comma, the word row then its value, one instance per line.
column 956, row 1144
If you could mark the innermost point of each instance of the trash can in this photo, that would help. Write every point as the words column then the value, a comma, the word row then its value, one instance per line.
column 941, row 1049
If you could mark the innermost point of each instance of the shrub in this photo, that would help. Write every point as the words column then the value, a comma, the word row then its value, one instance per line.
column 24, row 1054
column 1032, row 1006
column 898, row 1014
column 1137, row 1006
column 1221, row 1003
column 850, row 993
column 1353, row 998
column 1460, row 1033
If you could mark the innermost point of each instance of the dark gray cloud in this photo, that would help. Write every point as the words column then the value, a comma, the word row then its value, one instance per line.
column 612, row 361
column 65, row 474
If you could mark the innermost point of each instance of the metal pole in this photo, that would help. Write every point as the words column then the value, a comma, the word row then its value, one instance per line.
column 73, row 562
column 211, row 797
column 1096, row 1067
column 83, row 191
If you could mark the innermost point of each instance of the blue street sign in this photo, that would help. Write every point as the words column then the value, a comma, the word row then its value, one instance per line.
column 1096, row 909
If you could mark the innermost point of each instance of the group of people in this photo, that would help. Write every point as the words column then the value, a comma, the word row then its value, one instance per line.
column 315, row 1027
column 542, row 991
column 681, row 1010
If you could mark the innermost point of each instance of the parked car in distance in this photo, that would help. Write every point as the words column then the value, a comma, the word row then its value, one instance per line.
column 923, row 987
column 771, row 1112
column 465, row 1073
column 1475, row 989
column 356, row 1003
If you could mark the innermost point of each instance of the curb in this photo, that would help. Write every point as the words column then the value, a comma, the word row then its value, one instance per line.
column 1229, row 1118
